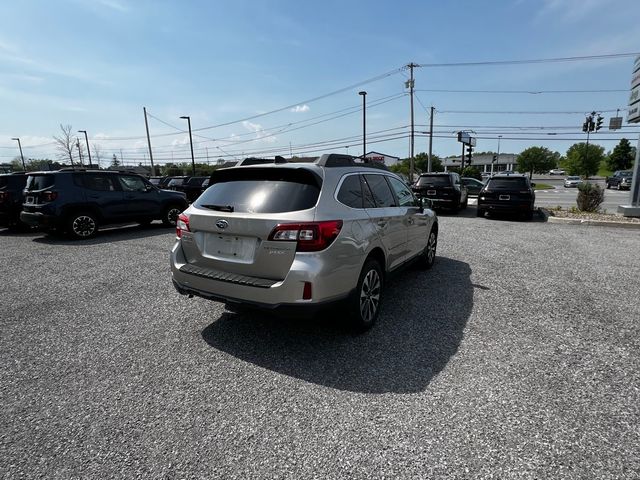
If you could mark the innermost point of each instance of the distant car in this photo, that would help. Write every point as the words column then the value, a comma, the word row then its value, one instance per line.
column 485, row 175
column 11, row 186
column 557, row 171
column 570, row 182
column 473, row 185
column 443, row 189
column 175, row 183
column 621, row 179
column 506, row 172
column 192, row 187
column 507, row 194
column 80, row 201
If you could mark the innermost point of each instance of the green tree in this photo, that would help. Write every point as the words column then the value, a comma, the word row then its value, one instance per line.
column 622, row 156
column 473, row 172
column 421, row 164
column 582, row 161
column 537, row 160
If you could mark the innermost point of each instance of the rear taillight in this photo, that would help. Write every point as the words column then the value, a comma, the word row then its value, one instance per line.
column 310, row 237
column 49, row 196
column 182, row 225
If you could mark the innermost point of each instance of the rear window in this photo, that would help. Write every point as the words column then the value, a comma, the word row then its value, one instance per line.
column 507, row 183
column 262, row 190
column 40, row 182
column 436, row 180
column 196, row 180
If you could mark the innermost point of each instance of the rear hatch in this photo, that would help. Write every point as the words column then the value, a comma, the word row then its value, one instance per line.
column 435, row 186
column 507, row 189
column 232, row 224
column 40, row 189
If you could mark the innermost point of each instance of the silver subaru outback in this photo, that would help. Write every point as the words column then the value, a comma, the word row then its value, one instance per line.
column 300, row 236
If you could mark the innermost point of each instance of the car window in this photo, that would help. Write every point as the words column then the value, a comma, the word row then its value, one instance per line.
column 434, row 180
column 507, row 182
column 350, row 193
column 403, row 192
column 380, row 190
column 99, row 182
column 261, row 190
column 131, row 183
column 40, row 182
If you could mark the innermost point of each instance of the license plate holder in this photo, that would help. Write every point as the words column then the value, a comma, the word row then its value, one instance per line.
column 231, row 247
column 431, row 192
column 504, row 197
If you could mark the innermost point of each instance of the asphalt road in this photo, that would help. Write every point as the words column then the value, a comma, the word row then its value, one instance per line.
column 516, row 356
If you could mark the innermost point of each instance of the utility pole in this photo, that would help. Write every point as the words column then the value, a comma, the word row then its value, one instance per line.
column 364, row 125
column 411, row 84
column 79, row 151
column 24, row 167
column 462, row 160
column 430, row 164
column 88, row 148
column 207, row 150
column 193, row 161
column 146, row 124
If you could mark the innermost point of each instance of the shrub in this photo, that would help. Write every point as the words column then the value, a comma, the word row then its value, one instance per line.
column 590, row 197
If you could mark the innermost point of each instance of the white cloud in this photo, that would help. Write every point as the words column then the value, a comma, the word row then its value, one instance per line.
column 300, row 108
column 114, row 5
column 259, row 131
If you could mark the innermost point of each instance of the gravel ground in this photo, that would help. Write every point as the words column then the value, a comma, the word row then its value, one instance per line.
column 516, row 356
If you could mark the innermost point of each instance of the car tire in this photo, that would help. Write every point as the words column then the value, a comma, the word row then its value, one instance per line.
column 607, row 186
column 366, row 301
column 480, row 212
column 428, row 256
column 170, row 215
column 528, row 215
column 82, row 225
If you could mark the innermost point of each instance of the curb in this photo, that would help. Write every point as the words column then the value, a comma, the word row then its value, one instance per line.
column 577, row 221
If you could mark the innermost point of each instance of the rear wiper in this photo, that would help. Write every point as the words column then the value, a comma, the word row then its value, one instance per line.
column 220, row 208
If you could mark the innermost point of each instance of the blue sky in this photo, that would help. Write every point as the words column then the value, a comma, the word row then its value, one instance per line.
column 95, row 64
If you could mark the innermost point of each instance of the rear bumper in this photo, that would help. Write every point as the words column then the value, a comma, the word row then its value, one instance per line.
column 505, row 207
column 282, row 296
column 38, row 219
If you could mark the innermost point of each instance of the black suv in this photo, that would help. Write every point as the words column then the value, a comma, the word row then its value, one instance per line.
column 11, row 186
column 443, row 189
column 78, row 201
column 507, row 194
column 192, row 187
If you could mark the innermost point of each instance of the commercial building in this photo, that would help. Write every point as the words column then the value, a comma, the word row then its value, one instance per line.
column 483, row 161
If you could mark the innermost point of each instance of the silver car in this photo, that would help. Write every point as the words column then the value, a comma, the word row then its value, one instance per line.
column 572, row 182
column 300, row 236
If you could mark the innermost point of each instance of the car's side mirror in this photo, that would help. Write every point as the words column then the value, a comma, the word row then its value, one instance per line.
column 533, row 184
column 148, row 188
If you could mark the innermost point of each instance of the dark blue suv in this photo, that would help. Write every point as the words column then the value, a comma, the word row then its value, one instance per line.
column 11, row 186
column 79, row 201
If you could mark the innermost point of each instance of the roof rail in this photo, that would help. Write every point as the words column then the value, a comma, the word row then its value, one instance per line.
column 341, row 160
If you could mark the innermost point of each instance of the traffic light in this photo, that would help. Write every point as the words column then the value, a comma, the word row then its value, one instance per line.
column 599, row 122
column 585, row 126
column 495, row 159
column 469, row 152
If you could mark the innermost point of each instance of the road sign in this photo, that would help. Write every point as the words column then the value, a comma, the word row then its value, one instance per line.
column 633, row 116
column 615, row 123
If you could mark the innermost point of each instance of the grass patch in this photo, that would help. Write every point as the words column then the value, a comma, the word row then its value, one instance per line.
column 543, row 186
column 604, row 171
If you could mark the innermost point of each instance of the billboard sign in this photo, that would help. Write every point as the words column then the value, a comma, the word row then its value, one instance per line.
column 633, row 115
column 615, row 123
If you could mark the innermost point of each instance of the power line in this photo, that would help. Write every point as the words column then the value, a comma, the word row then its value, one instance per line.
column 539, row 60
column 530, row 112
column 531, row 92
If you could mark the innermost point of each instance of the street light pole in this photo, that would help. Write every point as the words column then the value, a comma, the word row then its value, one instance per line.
column 193, row 160
column 364, row 124
column 88, row 149
column 497, row 155
column 24, row 167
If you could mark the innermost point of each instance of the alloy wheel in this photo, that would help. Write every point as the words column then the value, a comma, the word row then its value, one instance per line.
column 370, row 296
column 83, row 226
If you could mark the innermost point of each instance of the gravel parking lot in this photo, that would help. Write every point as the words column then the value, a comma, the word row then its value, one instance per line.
column 516, row 356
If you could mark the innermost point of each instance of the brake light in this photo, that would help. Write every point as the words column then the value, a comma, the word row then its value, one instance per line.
column 306, row 291
column 49, row 196
column 182, row 225
column 310, row 237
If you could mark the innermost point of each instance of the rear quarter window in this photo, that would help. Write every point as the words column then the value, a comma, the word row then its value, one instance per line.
column 258, row 190
column 350, row 193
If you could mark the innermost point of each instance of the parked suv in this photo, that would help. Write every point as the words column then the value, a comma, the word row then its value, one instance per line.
column 507, row 194
column 300, row 236
column 443, row 189
column 621, row 179
column 79, row 201
column 11, row 186
column 192, row 187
